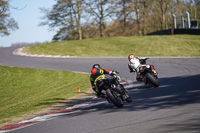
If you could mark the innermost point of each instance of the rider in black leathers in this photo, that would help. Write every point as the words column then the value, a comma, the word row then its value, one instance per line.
column 97, row 73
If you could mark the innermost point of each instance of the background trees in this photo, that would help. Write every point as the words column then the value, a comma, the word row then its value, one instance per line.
column 77, row 19
column 65, row 16
column 6, row 22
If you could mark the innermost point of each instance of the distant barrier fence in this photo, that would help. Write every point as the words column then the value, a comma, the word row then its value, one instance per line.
column 176, row 31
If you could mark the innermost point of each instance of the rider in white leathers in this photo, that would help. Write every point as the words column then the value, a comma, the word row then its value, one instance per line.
column 134, row 64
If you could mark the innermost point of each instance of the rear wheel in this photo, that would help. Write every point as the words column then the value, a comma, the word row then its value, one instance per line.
column 116, row 100
column 152, row 80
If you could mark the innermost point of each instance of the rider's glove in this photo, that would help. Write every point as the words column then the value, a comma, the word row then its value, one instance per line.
column 118, row 78
column 113, row 73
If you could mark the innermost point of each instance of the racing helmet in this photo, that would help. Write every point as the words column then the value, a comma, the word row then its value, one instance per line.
column 96, row 66
column 131, row 56
column 93, row 71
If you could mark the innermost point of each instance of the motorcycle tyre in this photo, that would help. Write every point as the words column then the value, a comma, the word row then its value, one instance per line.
column 114, row 99
column 152, row 80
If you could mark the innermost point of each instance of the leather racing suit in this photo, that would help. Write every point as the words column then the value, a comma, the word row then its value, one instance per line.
column 96, row 74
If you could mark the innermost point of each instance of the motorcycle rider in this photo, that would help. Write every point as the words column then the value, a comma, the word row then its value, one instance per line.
column 135, row 63
column 97, row 73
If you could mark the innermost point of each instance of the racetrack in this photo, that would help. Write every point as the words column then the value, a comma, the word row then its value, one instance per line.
column 173, row 107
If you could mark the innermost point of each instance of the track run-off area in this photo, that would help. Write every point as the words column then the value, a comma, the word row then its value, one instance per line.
column 172, row 107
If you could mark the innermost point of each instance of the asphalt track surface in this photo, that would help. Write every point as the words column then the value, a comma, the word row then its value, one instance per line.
column 173, row 107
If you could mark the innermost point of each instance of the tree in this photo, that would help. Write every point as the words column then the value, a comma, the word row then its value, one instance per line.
column 122, row 10
column 6, row 22
column 164, row 7
column 77, row 9
column 136, row 9
column 100, row 10
column 66, row 17
column 115, row 17
column 144, row 6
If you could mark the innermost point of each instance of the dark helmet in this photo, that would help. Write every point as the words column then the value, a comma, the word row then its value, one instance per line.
column 96, row 66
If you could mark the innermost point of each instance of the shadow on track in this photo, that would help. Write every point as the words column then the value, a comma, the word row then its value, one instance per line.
column 174, row 91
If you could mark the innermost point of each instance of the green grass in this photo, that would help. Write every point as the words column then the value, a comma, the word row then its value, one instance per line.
column 176, row 45
column 24, row 90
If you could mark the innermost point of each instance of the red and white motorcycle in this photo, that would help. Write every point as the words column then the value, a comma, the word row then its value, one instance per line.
column 146, row 73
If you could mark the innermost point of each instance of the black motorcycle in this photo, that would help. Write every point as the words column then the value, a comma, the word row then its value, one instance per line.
column 147, row 73
column 113, row 91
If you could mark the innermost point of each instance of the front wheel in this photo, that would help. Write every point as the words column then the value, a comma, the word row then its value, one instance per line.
column 116, row 100
column 152, row 80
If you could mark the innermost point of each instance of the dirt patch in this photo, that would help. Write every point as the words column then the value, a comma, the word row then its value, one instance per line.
column 58, row 106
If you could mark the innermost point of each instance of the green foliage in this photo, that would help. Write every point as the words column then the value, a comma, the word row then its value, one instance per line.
column 76, row 19
column 6, row 22
column 24, row 90
column 177, row 45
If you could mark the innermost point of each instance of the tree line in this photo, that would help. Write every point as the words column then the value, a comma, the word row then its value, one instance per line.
column 7, row 23
column 81, row 19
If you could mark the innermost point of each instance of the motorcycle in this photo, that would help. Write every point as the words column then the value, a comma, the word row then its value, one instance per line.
column 147, row 73
column 113, row 91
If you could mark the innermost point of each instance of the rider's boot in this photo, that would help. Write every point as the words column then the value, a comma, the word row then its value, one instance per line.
column 127, row 98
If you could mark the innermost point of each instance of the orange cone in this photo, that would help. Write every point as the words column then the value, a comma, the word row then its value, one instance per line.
column 79, row 90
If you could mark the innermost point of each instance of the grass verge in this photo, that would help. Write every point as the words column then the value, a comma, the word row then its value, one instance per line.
column 24, row 90
column 176, row 45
